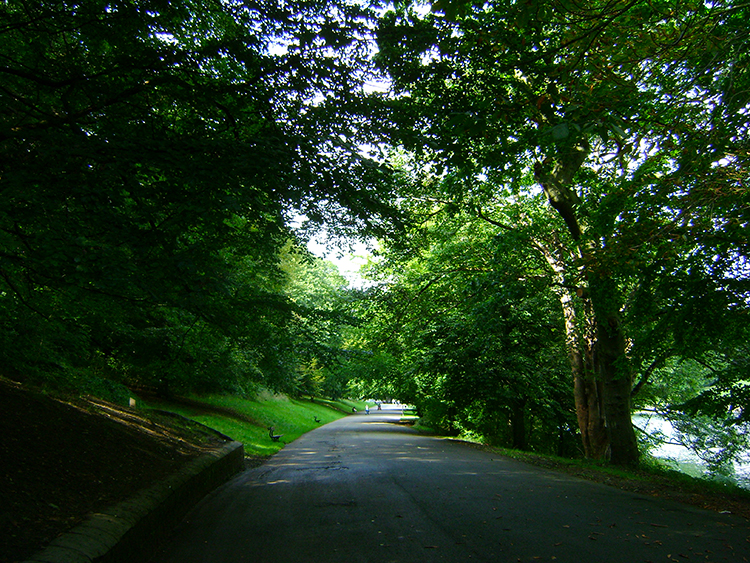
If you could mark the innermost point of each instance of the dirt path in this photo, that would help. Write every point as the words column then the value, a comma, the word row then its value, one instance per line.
column 365, row 489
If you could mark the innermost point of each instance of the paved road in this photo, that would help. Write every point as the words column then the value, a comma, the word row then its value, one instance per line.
column 364, row 489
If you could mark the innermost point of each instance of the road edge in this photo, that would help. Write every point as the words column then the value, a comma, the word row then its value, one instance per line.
column 131, row 530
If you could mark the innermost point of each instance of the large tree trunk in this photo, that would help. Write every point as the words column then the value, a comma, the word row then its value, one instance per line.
column 580, row 339
column 589, row 400
column 614, row 373
column 587, row 388
column 606, row 397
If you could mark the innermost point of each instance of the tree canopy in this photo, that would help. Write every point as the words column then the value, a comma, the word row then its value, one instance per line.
column 559, row 191
column 153, row 155
column 631, row 117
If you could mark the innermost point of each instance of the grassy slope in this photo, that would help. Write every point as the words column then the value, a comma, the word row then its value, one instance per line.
column 247, row 421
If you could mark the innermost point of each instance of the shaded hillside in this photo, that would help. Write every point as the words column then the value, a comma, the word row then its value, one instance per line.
column 62, row 460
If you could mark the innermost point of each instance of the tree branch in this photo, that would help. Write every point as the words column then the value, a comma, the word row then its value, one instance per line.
column 21, row 297
column 555, row 183
column 493, row 222
column 647, row 374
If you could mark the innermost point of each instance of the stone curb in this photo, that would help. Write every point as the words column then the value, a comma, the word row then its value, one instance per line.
column 130, row 531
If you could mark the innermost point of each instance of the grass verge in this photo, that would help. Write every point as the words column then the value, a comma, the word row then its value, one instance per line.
column 651, row 479
column 248, row 420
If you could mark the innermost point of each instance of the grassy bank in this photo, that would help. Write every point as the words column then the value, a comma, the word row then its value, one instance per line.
column 651, row 478
column 248, row 420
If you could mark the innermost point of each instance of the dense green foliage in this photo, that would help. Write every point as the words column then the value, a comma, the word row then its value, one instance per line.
column 632, row 118
column 151, row 156
column 476, row 334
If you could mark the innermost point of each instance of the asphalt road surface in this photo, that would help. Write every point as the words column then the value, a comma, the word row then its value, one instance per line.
column 366, row 489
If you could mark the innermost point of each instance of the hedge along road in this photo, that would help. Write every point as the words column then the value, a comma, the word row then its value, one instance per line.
column 366, row 489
